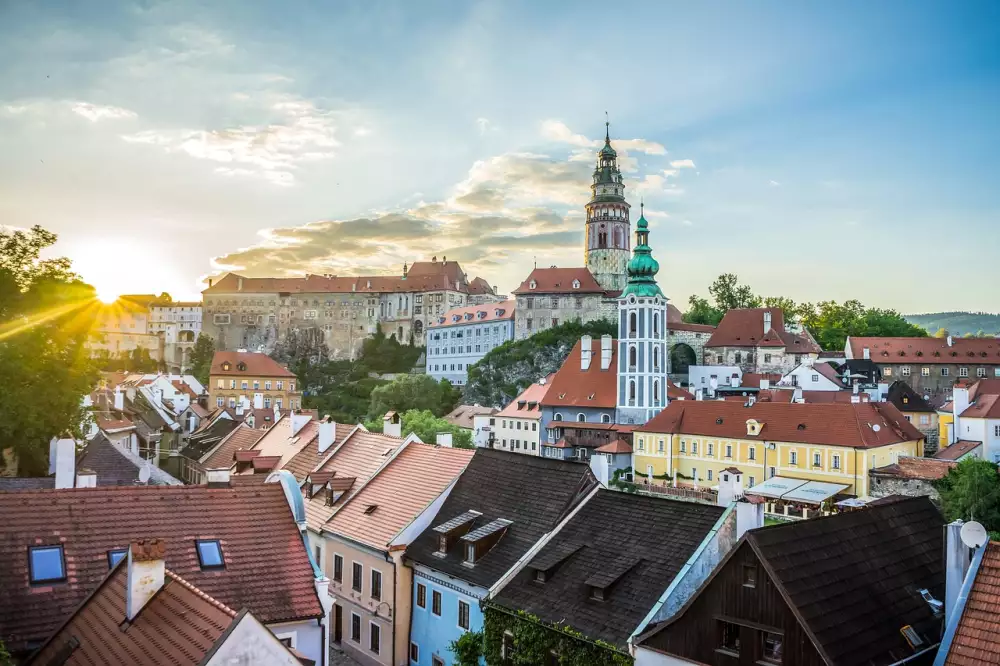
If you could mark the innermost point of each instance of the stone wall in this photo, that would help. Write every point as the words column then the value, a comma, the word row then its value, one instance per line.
column 934, row 383
column 754, row 359
column 882, row 485
column 540, row 311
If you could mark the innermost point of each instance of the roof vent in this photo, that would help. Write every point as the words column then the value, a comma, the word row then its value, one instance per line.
column 718, row 421
column 370, row 509
column 801, row 426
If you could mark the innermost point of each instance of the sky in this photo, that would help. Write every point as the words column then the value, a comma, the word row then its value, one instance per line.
column 818, row 150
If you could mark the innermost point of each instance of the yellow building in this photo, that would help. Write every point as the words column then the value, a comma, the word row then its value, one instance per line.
column 254, row 379
column 828, row 442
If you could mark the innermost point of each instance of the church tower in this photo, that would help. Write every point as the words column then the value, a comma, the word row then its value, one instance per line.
column 608, row 229
column 642, row 336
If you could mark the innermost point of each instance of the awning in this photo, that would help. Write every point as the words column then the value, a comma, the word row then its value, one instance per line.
column 852, row 503
column 797, row 490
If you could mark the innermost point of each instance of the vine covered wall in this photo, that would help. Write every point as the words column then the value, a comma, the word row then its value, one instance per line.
column 534, row 642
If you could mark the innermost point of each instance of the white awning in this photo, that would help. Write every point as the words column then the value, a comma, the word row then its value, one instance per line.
column 797, row 490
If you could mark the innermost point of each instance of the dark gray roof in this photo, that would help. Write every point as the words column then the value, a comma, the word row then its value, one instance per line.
column 111, row 467
column 644, row 540
column 202, row 442
column 902, row 396
column 21, row 483
column 533, row 493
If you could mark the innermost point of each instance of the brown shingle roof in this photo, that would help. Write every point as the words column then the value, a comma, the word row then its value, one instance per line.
column 242, row 437
column 981, row 351
column 463, row 415
column 907, row 467
column 559, row 281
column 267, row 569
column 957, row 450
column 573, row 387
column 744, row 327
column 862, row 425
column 977, row 636
column 257, row 365
column 404, row 488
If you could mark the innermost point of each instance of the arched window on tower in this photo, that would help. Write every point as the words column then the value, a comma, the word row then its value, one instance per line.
column 618, row 238
column 656, row 324
column 631, row 393
column 656, row 393
column 656, row 359
column 632, row 358
column 632, row 325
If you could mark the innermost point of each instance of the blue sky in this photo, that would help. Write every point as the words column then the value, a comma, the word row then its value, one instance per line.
column 818, row 150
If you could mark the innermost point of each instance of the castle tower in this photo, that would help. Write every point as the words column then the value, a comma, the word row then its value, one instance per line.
column 608, row 228
column 642, row 337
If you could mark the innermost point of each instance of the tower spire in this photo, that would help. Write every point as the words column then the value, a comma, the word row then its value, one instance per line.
column 607, row 128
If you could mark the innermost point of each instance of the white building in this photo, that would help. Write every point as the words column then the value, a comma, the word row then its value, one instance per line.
column 976, row 413
column 518, row 425
column 462, row 336
column 178, row 325
column 810, row 376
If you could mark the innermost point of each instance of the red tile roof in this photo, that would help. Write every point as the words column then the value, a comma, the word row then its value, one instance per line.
column 863, row 425
column 559, row 281
column 977, row 636
column 108, row 425
column 617, row 446
column 984, row 387
column 464, row 416
column 985, row 407
column 675, row 392
column 257, row 365
column 267, row 569
column 478, row 286
column 309, row 456
column 691, row 328
column 242, row 437
column 403, row 489
column 974, row 351
column 957, row 450
column 927, row 469
column 573, row 387
column 752, row 379
column 422, row 276
column 521, row 406
column 745, row 328
column 475, row 314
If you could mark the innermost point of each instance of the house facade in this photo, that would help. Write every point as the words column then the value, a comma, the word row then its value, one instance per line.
column 759, row 340
column 461, row 336
column 179, row 324
column 250, row 378
column 975, row 416
column 917, row 410
column 826, row 442
column 552, row 296
column 517, row 427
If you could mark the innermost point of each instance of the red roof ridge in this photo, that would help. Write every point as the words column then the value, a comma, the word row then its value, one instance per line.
column 207, row 597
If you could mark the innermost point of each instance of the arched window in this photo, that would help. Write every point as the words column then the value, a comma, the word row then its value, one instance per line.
column 618, row 237
column 557, row 417
column 632, row 357
column 631, row 393
column 632, row 324
column 656, row 392
column 605, row 418
column 656, row 358
column 656, row 324
column 581, row 417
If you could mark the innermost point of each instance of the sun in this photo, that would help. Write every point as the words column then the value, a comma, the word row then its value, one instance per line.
column 107, row 296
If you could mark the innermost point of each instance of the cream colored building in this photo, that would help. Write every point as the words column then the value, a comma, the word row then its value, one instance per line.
column 517, row 427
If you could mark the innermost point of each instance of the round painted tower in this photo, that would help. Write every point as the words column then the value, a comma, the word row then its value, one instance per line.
column 608, row 228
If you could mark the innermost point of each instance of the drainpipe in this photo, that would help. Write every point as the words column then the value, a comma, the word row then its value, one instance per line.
column 855, row 471
column 389, row 558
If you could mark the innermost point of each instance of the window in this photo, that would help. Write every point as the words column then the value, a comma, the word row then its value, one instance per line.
column 436, row 602
column 115, row 556
column 219, row 402
column 905, row 370
column 709, row 473
column 437, row 661
column 46, row 564
column 767, row 358
column 711, row 449
column 463, row 615
column 793, row 458
column 963, row 372
column 980, row 372
column 414, row 652
column 815, row 378
column 267, row 385
column 209, row 554
column 281, row 385
column 751, row 482
column 356, row 575
column 232, row 384
column 924, row 419
column 338, row 568
column 605, row 418
column 835, row 461
column 244, row 385
column 944, row 372
column 770, row 648
column 694, row 474
column 581, row 417
column 374, row 637
column 506, row 646
column 355, row 627
column 925, row 372
column 220, row 383
column 729, row 450
column 683, row 446
column 752, row 454
column 996, row 431
column 770, row 472
column 376, row 591
column 660, row 446
column 887, row 372
column 421, row 595
column 642, row 444
column 729, row 638
column 694, row 448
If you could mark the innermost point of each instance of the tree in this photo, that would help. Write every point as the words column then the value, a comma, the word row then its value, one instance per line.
column 942, row 333
column 201, row 358
column 786, row 305
column 700, row 311
column 426, row 426
column 830, row 322
column 407, row 392
column 729, row 294
column 46, row 317
column 468, row 648
column 971, row 491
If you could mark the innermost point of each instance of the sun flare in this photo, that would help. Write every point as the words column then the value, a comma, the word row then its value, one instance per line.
column 107, row 296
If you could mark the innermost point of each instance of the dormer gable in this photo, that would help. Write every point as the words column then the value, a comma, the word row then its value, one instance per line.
column 451, row 529
column 753, row 427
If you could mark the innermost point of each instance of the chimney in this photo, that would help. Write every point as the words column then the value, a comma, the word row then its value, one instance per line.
column 86, row 478
column 145, row 574
column 327, row 433
column 217, row 478
column 959, row 403
column 239, row 284
column 866, row 353
column 119, row 399
column 950, row 341
column 299, row 420
column 956, row 564
column 857, row 387
column 444, row 439
column 730, row 486
column 65, row 462
column 765, row 384
column 699, row 394
column 767, row 322
column 734, row 381
column 239, row 408
column 586, row 351
column 605, row 352
column 391, row 424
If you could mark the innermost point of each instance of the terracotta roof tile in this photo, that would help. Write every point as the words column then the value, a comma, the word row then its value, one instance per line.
column 257, row 365
column 463, row 416
column 404, row 488
column 475, row 314
column 559, row 281
column 573, row 387
column 977, row 636
column 617, row 446
column 862, row 425
column 478, row 286
column 926, row 469
column 957, row 450
column 242, row 437
column 309, row 455
column 529, row 403
column 985, row 406
column 745, row 328
column 267, row 568
column 975, row 351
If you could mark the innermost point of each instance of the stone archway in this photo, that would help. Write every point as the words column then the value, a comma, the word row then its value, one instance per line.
column 418, row 333
column 682, row 356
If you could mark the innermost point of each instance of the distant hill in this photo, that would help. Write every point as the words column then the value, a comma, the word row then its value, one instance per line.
column 957, row 323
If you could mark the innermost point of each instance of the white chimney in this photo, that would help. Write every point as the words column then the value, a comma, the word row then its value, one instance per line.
column 444, row 439
column 258, row 401
column 749, row 516
column 730, row 486
column 391, row 424
column 145, row 574
column 119, row 399
column 217, row 478
column 299, row 420
column 86, row 478
column 956, row 564
column 734, row 381
column 699, row 394
column 586, row 351
column 959, row 403
column 65, row 462
column 950, row 341
column 866, row 353
column 327, row 434
column 605, row 352
column 767, row 321
column 765, row 384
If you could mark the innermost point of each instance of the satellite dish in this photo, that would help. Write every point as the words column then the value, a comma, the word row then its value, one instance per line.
column 876, row 427
column 144, row 473
column 973, row 534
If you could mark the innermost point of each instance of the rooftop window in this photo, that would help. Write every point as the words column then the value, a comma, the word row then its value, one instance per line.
column 46, row 564
column 115, row 556
column 209, row 554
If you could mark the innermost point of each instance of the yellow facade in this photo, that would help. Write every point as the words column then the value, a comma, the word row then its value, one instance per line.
column 276, row 391
column 703, row 457
column 946, row 420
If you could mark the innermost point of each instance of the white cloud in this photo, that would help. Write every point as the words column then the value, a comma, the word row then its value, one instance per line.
column 556, row 130
column 484, row 125
column 95, row 112
column 682, row 164
column 669, row 173
column 687, row 223
column 773, row 183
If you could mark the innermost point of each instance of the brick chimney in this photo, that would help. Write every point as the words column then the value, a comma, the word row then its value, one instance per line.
column 586, row 351
column 327, row 433
column 605, row 352
column 146, row 573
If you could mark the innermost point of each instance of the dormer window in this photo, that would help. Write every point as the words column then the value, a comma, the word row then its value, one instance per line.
column 532, row 284
column 753, row 427
column 449, row 530
column 479, row 541
column 576, row 284
column 226, row 366
column 241, row 366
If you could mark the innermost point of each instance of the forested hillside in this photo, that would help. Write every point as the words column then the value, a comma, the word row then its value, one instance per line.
column 958, row 323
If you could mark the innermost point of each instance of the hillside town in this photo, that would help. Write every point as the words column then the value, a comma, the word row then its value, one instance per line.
column 670, row 493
